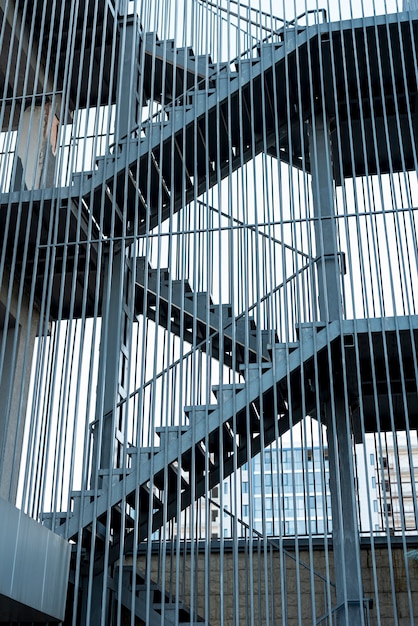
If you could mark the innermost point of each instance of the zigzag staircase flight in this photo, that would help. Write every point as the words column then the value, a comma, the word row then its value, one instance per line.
column 133, row 177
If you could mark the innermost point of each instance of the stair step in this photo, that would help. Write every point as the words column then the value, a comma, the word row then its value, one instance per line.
column 204, row 59
column 185, row 52
column 306, row 331
column 82, row 179
column 151, row 38
column 225, row 393
column 202, row 298
column 170, row 434
column 177, row 110
column 178, row 287
column 252, row 371
column 199, row 98
column 168, row 44
column 198, row 410
column 104, row 160
column 225, row 309
column 53, row 520
column 143, row 266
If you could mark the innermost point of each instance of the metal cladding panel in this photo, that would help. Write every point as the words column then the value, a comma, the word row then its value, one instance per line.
column 34, row 569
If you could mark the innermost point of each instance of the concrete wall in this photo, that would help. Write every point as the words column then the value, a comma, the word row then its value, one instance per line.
column 18, row 331
column 288, row 591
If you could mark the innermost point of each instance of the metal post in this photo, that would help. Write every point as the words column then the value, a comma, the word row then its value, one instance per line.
column 115, row 263
column 344, row 515
column 346, row 545
column 127, row 116
column 112, row 363
column 328, row 265
column 110, row 344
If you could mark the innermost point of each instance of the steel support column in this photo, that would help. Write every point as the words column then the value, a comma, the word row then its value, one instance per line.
column 113, row 362
column 128, row 105
column 346, row 545
column 327, row 256
column 110, row 344
column 346, row 550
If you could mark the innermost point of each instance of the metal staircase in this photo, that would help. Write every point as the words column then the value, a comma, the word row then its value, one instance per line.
column 246, row 418
column 274, row 396
column 212, row 121
column 207, row 131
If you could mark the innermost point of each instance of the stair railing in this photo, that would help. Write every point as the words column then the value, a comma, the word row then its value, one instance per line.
column 249, row 20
